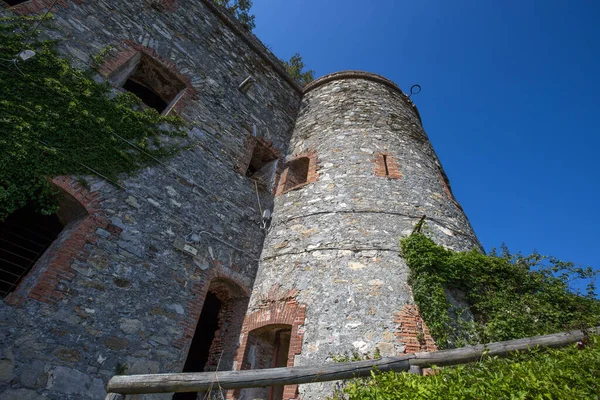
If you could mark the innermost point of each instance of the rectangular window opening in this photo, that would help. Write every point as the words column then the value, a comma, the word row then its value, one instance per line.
column 154, row 84
column 297, row 173
column 262, row 164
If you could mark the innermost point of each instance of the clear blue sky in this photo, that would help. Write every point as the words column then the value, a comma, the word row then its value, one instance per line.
column 510, row 100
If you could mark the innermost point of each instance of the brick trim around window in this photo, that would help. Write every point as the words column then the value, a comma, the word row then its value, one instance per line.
column 46, row 280
column 252, row 142
column 284, row 311
column 386, row 166
column 199, row 291
column 288, row 179
column 129, row 49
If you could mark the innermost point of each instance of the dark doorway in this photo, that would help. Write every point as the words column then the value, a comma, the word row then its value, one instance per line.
column 280, row 358
column 24, row 237
column 199, row 351
column 148, row 96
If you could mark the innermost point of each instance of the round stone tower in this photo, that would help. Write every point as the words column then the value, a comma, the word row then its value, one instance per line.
column 360, row 173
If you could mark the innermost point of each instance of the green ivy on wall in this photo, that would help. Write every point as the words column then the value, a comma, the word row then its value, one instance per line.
column 510, row 296
column 57, row 120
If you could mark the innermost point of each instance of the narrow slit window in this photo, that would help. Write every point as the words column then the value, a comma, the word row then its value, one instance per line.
column 154, row 84
column 385, row 164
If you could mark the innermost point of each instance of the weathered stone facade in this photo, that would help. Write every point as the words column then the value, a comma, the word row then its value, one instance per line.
column 335, row 241
column 346, row 168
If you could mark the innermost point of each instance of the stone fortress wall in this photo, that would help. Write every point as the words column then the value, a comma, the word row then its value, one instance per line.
column 345, row 167
column 114, row 294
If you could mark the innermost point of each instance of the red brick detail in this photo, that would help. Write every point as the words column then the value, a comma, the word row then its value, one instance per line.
column 255, row 143
column 386, row 166
column 412, row 331
column 290, row 179
column 447, row 190
column 163, row 5
column 54, row 267
column 228, row 287
column 35, row 6
column 282, row 311
column 129, row 49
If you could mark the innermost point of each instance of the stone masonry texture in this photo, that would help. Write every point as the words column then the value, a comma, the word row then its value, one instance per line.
column 336, row 241
column 121, row 289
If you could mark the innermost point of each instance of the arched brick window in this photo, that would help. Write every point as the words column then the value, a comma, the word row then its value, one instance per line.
column 267, row 347
column 24, row 237
column 48, row 245
column 271, row 336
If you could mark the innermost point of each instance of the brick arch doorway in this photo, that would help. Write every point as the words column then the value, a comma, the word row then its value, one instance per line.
column 216, row 338
column 268, row 347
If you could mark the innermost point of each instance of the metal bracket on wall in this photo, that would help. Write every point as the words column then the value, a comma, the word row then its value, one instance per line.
column 246, row 84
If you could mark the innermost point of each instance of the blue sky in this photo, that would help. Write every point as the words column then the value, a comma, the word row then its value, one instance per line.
column 510, row 100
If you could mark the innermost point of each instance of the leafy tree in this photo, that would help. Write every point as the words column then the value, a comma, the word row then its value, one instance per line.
column 57, row 120
column 240, row 9
column 296, row 68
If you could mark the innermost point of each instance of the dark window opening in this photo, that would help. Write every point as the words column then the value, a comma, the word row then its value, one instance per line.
column 24, row 237
column 262, row 158
column 14, row 2
column 208, row 324
column 267, row 347
column 297, row 173
column 154, row 84
column 148, row 96
column 385, row 164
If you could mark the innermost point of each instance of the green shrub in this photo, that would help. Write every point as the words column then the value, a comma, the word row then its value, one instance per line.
column 567, row 373
column 509, row 296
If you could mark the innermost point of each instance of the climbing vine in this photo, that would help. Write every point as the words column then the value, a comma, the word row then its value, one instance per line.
column 506, row 296
column 58, row 120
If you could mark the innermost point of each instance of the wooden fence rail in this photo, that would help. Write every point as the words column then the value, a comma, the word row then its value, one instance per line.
column 202, row 381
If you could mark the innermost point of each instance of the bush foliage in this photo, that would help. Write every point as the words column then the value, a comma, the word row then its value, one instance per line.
column 510, row 296
column 57, row 120
column 567, row 373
